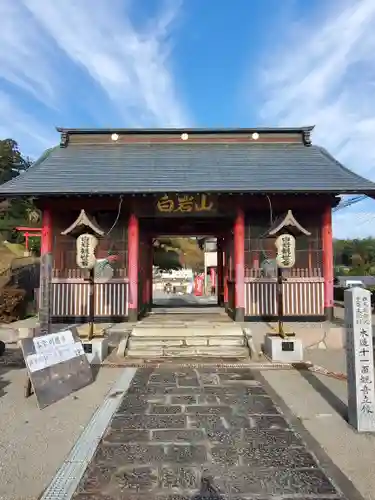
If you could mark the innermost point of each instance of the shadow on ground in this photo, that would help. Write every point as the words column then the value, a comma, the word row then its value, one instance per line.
column 3, row 379
column 207, row 491
column 339, row 406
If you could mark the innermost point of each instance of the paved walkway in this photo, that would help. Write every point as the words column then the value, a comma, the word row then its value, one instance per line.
column 184, row 434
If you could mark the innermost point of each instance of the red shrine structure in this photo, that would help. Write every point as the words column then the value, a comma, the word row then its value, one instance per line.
column 132, row 185
column 29, row 232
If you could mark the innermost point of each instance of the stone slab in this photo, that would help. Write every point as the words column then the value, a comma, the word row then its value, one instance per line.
column 205, row 450
column 145, row 342
column 158, row 332
column 274, row 348
column 214, row 351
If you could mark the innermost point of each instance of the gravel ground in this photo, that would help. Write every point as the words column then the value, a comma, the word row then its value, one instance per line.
column 34, row 443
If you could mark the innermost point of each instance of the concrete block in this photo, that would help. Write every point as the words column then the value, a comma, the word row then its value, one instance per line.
column 96, row 350
column 121, row 349
column 277, row 349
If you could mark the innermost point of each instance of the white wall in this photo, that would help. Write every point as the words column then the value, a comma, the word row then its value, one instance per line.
column 210, row 259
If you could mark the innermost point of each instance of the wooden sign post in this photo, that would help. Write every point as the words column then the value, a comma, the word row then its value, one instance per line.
column 360, row 359
column 86, row 244
column 285, row 259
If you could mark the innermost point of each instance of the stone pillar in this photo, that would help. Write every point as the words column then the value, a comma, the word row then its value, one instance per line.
column 46, row 261
column 133, row 265
column 360, row 359
column 327, row 244
column 220, row 274
column 239, row 265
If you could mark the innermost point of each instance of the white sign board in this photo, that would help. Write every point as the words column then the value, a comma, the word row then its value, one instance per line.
column 360, row 359
column 286, row 251
column 53, row 349
column 85, row 245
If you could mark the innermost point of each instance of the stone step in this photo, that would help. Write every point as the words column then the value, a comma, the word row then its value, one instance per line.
column 217, row 340
column 186, row 352
column 163, row 332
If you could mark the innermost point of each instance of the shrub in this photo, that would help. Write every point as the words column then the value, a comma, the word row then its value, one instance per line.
column 11, row 304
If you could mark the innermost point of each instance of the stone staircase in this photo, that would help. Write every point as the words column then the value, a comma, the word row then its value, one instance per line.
column 187, row 336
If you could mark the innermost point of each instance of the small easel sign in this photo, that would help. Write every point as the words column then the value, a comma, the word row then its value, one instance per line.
column 57, row 366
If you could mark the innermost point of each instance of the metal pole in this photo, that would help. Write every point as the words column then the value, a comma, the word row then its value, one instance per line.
column 92, row 304
column 280, row 311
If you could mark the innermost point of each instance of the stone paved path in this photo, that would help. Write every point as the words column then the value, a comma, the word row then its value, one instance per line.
column 198, row 435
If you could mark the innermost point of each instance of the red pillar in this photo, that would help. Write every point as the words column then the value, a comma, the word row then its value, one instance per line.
column 219, row 284
column 225, row 271
column 133, row 264
column 239, row 265
column 46, row 262
column 47, row 231
column 148, row 274
column 327, row 244
column 150, row 265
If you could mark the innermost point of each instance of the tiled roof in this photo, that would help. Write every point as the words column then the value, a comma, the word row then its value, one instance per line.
column 182, row 167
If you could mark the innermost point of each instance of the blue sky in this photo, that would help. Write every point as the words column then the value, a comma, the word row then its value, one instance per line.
column 204, row 63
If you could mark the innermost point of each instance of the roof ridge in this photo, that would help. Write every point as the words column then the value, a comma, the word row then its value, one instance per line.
column 191, row 130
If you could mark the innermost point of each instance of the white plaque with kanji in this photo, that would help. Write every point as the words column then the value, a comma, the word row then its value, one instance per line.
column 286, row 250
column 86, row 245
column 360, row 359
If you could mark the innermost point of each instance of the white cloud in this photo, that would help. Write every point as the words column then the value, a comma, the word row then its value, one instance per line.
column 25, row 56
column 129, row 64
column 24, row 128
column 56, row 54
column 325, row 75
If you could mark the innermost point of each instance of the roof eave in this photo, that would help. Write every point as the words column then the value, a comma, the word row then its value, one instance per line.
column 179, row 130
column 18, row 194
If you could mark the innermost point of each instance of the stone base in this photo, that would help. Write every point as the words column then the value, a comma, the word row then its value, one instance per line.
column 288, row 350
column 96, row 350
column 329, row 313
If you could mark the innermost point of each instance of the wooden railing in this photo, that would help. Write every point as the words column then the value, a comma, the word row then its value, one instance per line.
column 301, row 297
column 294, row 272
column 71, row 299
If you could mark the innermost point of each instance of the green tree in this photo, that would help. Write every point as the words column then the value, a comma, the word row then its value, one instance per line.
column 174, row 253
column 355, row 257
column 13, row 163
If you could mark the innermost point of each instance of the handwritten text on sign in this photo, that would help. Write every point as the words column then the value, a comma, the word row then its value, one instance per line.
column 286, row 250
column 53, row 349
column 85, row 256
column 360, row 363
column 185, row 204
